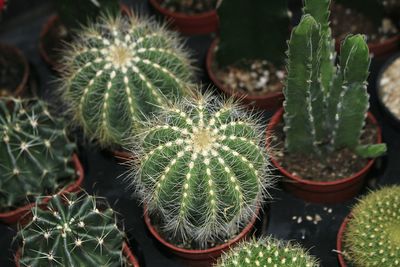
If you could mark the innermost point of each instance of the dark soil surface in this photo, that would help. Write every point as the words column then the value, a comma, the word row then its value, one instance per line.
column 11, row 72
column 254, row 77
column 189, row 6
column 345, row 20
column 337, row 165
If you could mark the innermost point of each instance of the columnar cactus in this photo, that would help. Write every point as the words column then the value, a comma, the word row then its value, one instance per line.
column 267, row 252
column 72, row 231
column 35, row 153
column 118, row 71
column 325, row 107
column 244, row 38
column 202, row 169
column 372, row 236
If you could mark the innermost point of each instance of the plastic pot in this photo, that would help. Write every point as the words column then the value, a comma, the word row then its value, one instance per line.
column 18, row 56
column 23, row 213
column 270, row 101
column 203, row 23
column 321, row 192
column 197, row 257
column 339, row 241
column 125, row 250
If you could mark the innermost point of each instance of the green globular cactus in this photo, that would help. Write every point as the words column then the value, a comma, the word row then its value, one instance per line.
column 73, row 230
column 267, row 252
column 372, row 235
column 325, row 106
column 118, row 71
column 202, row 170
column 261, row 37
column 35, row 153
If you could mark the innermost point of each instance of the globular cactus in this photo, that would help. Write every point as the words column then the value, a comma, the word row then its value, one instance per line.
column 119, row 70
column 372, row 235
column 35, row 153
column 202, row 169
column 267, row 252
column 325, row 107
column 72, row 231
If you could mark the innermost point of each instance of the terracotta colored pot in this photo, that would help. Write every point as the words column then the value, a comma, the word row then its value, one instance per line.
column 203, row 23
column 339, row 241
column 321, row 192
column 123, row 156
column 14, row 216
column 125, row 250
column 194, row 257
column 21, row 89
column 270, row 101
column 51, row 25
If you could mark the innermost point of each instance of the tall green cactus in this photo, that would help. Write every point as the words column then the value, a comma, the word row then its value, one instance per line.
column 261, row 37
column 325, row 107
column 372, row 236
column 202, row 170
column 35, row 153
column 267, row 252
column 74, row 230
column 118, row 71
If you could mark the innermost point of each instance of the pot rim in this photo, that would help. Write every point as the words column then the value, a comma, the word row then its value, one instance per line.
column 339, row 240
column 180, row 15
column 277, row 117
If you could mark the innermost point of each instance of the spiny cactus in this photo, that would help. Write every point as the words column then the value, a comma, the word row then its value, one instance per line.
column 202, row 169
column 118, row 71
column 35, row 153
column 325, row 107
column 244, row 38
column 267, row 252
column 372, row 236
column 73, row 231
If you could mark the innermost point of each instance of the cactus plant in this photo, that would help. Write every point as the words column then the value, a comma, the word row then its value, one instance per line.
column 73, row 231
column 118, row 71
column 202, row 169
column 267, row 252
column 34, row 151
column 254, row 42
column 325, row 107
column 372, row 235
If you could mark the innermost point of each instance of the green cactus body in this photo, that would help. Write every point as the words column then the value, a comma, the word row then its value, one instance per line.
column 35, row 153
column 118, row 71
column 325, row 106
column 267, row 252
column 262, row 37
column 372, row 235
column 77, row 231
column 202, row 169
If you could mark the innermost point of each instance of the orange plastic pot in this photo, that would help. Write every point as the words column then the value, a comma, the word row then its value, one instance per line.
column 321, row 192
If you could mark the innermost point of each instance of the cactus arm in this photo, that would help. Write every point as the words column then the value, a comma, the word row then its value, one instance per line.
column 371, row 151
column 299, row 123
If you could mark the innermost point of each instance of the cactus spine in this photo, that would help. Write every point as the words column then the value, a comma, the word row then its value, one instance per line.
column 34, row 151
column 267, row 252
column 72, row 231
column 202, row 169
column 372, row 236
column 324, row 104
column 118, row 71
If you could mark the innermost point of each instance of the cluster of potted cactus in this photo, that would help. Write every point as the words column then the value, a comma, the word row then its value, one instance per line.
column 199, row 163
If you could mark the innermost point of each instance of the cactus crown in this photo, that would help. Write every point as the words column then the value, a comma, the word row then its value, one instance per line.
column 372, row 237
column 35, row 153
column 202, row 169
column 325, row 106
column 118, row 71
column 267, row 252
column 254, row 42
column 72, row 231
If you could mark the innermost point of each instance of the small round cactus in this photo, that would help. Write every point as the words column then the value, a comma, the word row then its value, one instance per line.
column 35, row 153
column 119, row 70
column 202, row 169
column 267, row 252
column 372, row 236
column 73, row 231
